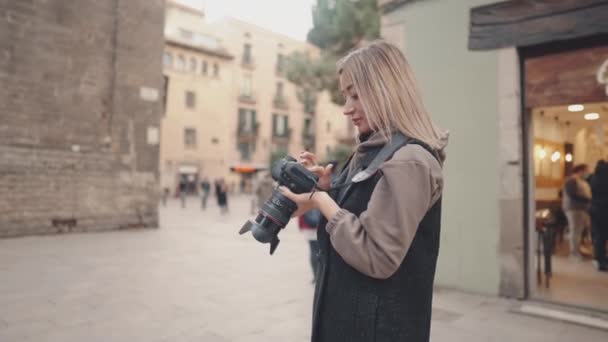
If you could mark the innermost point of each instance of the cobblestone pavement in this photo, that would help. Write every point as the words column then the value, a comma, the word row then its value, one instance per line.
column 195, row 279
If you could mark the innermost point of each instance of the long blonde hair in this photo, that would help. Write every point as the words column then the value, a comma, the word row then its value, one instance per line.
column 387, row 89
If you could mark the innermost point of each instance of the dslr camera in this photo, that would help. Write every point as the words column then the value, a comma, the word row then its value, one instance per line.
column 277, row 210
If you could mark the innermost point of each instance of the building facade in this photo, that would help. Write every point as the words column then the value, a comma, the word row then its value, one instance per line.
column 227, row 91
column 79, row 115
column 501, row 76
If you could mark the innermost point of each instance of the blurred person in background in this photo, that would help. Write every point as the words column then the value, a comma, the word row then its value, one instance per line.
column 182, row 188
column 378, row 238
column 599, row 214
column 221, row 192
column 576, row 201
column 205, row 190
column 263, row 191
column 307, row 223
column 165, row 196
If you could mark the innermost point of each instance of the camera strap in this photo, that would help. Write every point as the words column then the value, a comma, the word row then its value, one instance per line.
column 397, row 141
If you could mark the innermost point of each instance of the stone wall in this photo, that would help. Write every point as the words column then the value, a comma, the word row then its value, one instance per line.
column 79, row 109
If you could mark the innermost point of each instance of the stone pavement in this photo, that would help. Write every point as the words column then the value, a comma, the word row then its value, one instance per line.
column 195, row 279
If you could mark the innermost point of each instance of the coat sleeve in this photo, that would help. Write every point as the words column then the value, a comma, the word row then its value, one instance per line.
column 376, row 242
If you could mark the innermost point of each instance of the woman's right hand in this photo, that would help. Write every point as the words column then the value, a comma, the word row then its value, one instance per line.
column 309, row 160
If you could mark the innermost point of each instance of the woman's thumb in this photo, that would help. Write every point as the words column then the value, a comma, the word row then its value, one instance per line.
column 329, row 169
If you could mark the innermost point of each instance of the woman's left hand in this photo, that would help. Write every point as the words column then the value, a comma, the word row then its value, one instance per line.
column 303, row 201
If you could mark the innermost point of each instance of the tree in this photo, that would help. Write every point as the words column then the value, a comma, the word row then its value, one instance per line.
column 339, row 154
column 338, row 27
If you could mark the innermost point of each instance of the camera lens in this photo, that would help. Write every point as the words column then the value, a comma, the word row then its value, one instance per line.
column 274, row 216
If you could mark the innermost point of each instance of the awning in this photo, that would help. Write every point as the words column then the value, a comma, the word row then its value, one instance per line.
column 188, row 169
column 525, row 23
column 248, row 168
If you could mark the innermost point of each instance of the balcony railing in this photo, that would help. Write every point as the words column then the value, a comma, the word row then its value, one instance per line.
column 281, row 138
column 247, row 98
column 248, row 62
column 280, row 102
column 248, row 134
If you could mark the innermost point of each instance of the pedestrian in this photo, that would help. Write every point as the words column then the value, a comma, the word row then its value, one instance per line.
column 164, row 196
column 307, row 223
column 183, row 188
column 263, row 190
column 379, row 231
column 599, row 215
column 576, row 202
column 221, row 190
column 205, row 189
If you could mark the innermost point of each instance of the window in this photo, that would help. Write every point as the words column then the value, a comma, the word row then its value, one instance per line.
column 245, row 150
column 280, row 90
column 181, row 63
column 280, row 63
column 216, row 70
column 246, row 86
column 204, row 67
column 168, row 59
column 190, row 138
column 280, row 125
column 165, row 92
column 247, row 120
column 193, row 64
column 186, row 34
column 190, row 99
column 308, row 129
column 247, row 54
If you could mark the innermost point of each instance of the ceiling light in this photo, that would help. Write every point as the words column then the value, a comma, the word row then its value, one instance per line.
column 592, row 116
column 576, row 108
column 569, row 157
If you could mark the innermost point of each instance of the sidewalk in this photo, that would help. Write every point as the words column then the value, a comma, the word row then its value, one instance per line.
column 196, row 279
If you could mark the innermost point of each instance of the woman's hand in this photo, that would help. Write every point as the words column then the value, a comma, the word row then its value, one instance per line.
column 309, row 160
column 303, row 201
column 308, row 201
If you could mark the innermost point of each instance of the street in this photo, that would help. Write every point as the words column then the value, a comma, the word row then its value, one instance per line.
column 196, row 279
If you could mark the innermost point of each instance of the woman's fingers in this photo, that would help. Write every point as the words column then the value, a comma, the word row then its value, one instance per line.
column 307, row 159
column 317, row 170
column 285, row 191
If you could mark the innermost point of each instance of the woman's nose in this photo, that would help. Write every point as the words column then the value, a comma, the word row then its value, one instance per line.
column 348, row 109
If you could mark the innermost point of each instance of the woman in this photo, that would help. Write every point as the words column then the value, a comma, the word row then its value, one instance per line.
column 599, row 215
column 379, row 239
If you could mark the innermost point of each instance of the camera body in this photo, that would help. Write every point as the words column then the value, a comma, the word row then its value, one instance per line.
column 277, row 210
column 288, row 172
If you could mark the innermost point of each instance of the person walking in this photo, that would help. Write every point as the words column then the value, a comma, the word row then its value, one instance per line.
column 599, row 215
column 576, row 202
column 205, row 189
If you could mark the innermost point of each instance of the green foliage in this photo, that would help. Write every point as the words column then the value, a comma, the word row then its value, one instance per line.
column 276, row 155
column 339, row 26
column 340, row 153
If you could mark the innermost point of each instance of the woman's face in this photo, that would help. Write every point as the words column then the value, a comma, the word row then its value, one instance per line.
column 353, row 107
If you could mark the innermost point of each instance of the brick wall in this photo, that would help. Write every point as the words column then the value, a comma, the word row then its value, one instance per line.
column 73, row 127
column 565, row 78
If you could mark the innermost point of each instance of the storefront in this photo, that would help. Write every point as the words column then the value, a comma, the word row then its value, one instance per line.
column 501, row 76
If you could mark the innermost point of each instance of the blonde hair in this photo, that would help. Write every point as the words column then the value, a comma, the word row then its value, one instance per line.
column 385, row 83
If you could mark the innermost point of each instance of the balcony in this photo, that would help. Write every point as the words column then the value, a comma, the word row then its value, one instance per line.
column 308, row 140
column 281, row 139
column 280, row 102
column 248, row 135
column 248, row 63
column 247, row 98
